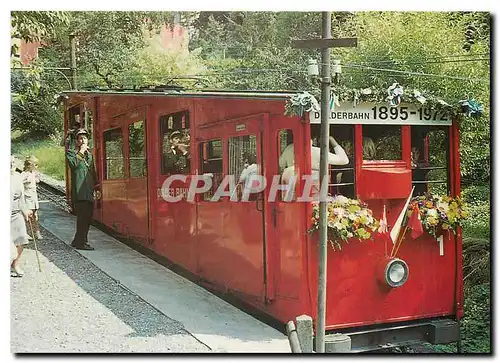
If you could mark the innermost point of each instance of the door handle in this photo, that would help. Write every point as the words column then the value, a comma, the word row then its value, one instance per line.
column 274, row 213
column 259, row 202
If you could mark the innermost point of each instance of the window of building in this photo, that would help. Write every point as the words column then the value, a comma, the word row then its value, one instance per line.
column 211, row 165
column 114, row 166
column 430, row 159
column 137, row 150
column 382, row 142
column 175, row 143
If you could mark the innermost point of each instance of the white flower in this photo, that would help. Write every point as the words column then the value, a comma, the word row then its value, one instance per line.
column 444, row 206
column 339, row 225
column 339, row 212
column 432, row 213
column 349, row 235
column 340, row 199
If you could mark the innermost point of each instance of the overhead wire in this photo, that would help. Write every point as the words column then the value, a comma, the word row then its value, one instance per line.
column 421, row 74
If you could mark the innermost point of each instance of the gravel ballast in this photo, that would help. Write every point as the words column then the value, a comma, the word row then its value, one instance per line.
column 72, row 306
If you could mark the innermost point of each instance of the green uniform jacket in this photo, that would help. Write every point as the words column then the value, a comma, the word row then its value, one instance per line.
column 83, row 176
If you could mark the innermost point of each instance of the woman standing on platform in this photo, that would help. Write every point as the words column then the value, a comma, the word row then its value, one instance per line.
column 19, row 214
column 30, row 179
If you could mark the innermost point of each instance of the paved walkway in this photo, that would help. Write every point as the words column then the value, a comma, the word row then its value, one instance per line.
column 167, row 312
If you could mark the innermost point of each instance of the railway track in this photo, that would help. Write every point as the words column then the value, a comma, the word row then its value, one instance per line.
column 53, row 194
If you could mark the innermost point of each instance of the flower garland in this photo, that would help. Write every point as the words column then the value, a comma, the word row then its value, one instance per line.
column 436, row 213
column 394, row 95
column 300, row 103
column 346, row 218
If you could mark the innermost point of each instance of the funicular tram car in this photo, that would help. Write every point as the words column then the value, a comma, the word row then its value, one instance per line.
column 258, row 249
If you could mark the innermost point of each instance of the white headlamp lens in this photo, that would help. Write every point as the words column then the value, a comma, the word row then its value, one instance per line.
column 396, row 272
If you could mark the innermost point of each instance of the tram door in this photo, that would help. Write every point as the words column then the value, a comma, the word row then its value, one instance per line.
column 124, row 177
column 285, row 210
column 231, row 236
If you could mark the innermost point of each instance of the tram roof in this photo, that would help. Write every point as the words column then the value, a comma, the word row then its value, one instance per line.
column 185, row 93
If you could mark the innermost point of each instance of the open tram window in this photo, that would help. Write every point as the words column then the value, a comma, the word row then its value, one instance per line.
column 342, row 177
column 175, row 143
column 243, row 165
column 74, row 123
column 286, row 164
column 382, row 142
column 114, row 166
column 89, row 124
column 137, row 152
column 211, row 165
column 429, row 159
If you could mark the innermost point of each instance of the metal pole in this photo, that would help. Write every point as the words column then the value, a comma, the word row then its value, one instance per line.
column 293, row 337
column 323, row 177
column 72, row 39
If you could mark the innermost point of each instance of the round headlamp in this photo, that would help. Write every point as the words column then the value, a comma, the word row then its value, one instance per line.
column 396, row 272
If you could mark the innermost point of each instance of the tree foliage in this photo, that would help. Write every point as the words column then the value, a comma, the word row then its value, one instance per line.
column 35, row 26
column 253, row 51
column 33, row 108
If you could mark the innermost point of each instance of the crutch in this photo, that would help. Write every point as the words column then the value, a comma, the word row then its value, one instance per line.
column 34, row 241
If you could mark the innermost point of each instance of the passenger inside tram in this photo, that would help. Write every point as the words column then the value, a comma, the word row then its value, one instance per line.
column 419, row 175
column 287, row 167
column 251, row 168
column 177, row 157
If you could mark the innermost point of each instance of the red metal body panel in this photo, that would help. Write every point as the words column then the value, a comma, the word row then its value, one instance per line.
column 260, row 250
column 455, row 190
column 391, row 182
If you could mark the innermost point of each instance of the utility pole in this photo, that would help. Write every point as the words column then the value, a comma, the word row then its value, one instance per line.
column 72, row 39
column 325, row 43
column 323, row 177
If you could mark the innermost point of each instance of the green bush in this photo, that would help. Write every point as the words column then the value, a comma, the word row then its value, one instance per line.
column 476, row 194
column 477, row 198
column 476, row 322
column 33, row 108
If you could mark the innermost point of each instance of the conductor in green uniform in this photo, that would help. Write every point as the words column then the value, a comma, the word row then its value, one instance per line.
column 83, row 184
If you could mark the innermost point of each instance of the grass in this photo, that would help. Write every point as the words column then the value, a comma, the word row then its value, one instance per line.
column 50, row 155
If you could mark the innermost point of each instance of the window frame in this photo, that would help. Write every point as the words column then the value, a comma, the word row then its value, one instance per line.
column 167, row 131
column 105, row 154
column 129, row 166
column 426, row 158
column 201, row 160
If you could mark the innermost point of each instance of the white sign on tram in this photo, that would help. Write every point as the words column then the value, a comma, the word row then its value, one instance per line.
column 380, row 113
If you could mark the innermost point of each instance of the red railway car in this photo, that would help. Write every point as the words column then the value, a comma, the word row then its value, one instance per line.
column 259, row 249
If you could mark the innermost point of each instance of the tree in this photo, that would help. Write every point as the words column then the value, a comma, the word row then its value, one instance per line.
column 255, row 53
column 35, row 26
column 108, row 42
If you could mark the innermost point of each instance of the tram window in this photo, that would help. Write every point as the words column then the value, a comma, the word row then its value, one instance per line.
column 242, row 155
column 113, row 154
column 341, row 177
column 89, row 124
column 382, row 142
column 211, row 164
column 137, row 153
column 429, row 159
column 175, row 143
column 286, row 163
column 73, row 125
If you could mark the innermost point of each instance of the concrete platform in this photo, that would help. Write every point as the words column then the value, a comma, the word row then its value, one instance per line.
column 214, row 322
